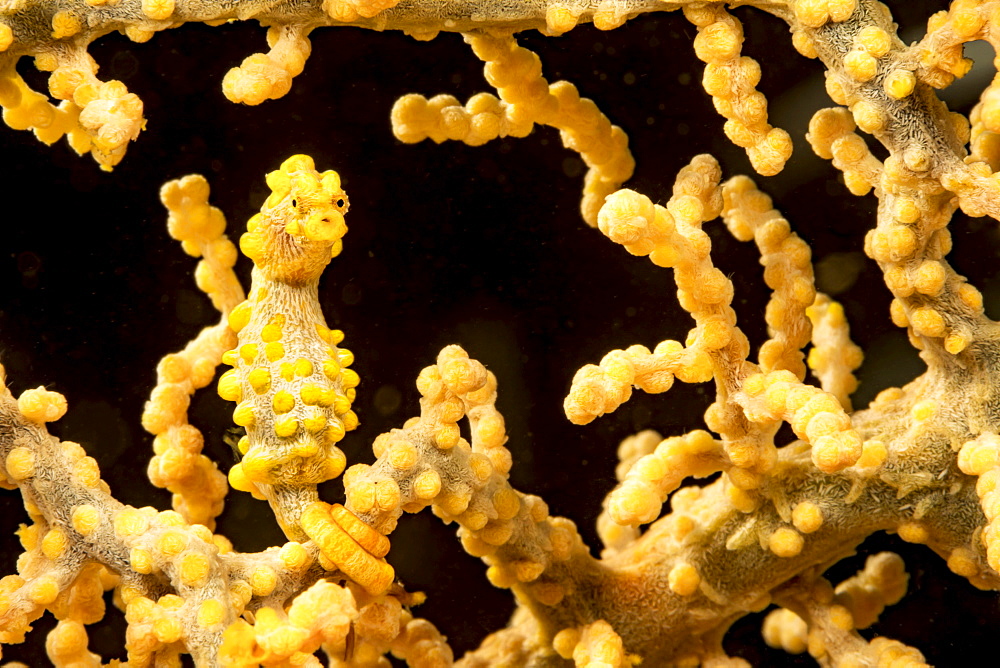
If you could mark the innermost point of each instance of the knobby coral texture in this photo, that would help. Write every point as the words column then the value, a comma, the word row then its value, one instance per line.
column 748, row 245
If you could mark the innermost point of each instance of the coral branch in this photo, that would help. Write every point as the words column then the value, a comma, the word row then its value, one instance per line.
column 526, row 98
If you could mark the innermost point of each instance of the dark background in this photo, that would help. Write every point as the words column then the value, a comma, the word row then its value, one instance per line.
column 447, row 244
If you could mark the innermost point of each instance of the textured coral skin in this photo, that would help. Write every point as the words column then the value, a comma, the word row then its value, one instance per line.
column 418, row 349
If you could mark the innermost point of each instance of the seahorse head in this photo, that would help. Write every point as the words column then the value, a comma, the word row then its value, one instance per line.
column 300, row 227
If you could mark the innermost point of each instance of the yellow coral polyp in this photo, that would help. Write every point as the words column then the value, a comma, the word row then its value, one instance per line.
column 211, row 613
column 6, row 37
column 54, row 543
column 41, row 405
column 141, row 560
column 44, row 590
column 194, row 569
column 158, row 10
column 559, row 20
column 785, row 542
column 294, row 556
column 85, row 518
column 65, row 24
column 20, row 464
column 899, row 83
column 130, row 522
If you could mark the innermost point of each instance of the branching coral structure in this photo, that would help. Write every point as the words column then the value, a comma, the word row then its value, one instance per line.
column 753, row 512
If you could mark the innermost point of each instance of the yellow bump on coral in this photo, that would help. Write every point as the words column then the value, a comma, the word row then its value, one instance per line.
column 905, row 210
column 364, row 8
column 85, row 519
column 44, row 590
column 247, row 352
column 956, row 342
column 286, row 427
column 971, row 297
column 860, row 66
column 158, row 10
column 564, row 642
column 211, row 613
column 130, row 522
column 962, row 561
column 873, row 454
column 804, row 44
column 873, row 40
column 41, row 405
column 427, row 485
column 194, row 569
column 65, row 24
column 171, row 518
column 387, row 495
column 807, row 517
column 259, row 378
column 913, row 532
column 6, row 38
column 496, row 532
column 897, row 311
column 816, row 13
column 559, row 19
column 263, row 580
column 608, row 15
column 500, row 577
column 54, row 543
column 282, row 402
column 930, row 278
column 595, row 645
column 784, row 629
column 924, row 410
column 403, row 455
column 548, row 593
column 833, row 453
column 785, row 542
column 869, row 118
column 302, row 367
column 20, row 463
column 87, row 473
column 171, row 543
column 684, row 579
column 980, row 455
column 66, row 645
column 141, row 560
column 927, row 321
column 899, row 83
column 506, row 502
column 294, row 556
column 168, row 630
